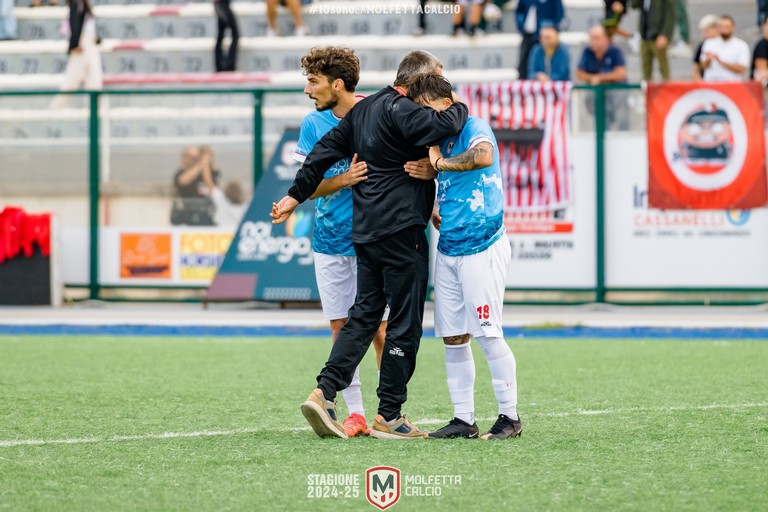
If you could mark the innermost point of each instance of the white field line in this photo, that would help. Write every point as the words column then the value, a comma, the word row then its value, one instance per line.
column 145, row 437
column 426, row 421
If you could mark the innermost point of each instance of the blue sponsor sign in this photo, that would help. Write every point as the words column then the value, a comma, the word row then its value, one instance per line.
column 271, row 262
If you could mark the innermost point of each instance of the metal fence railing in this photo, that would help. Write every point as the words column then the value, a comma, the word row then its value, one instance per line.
column 107, row 159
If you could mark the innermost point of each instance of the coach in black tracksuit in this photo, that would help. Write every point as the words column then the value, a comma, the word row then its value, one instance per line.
column 391, row 212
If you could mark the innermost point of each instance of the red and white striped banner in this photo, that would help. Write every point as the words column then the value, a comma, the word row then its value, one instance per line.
column 531, row 123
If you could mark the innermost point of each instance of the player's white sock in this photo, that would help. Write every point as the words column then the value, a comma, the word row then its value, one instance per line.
column 503, row 373
column 353, row 395
column 460, row 369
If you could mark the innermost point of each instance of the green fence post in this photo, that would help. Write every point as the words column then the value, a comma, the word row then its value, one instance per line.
column 258, row 129
column 93, row 194
column 600, row 171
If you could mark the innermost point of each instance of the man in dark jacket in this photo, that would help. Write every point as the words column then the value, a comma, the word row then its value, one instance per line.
column 530, row 14
column 657, row 22
column 390, row 213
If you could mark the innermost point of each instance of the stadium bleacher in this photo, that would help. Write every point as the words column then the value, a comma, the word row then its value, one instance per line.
column 161, row 43
column 161, row 37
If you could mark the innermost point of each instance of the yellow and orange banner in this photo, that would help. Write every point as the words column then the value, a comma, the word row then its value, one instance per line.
column 145, row 255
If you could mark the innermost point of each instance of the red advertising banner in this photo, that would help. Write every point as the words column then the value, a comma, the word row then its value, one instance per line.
column 706, row 146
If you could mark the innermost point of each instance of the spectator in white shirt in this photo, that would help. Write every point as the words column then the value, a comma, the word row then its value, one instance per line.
column 230, row 203
column 727, row 58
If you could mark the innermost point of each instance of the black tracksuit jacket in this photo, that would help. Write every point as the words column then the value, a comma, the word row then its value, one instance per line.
column 386, row 130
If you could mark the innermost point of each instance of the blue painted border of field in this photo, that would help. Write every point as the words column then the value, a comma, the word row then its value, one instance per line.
column 205, row 331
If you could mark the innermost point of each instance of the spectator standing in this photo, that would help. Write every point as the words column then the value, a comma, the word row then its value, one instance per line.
column 762, row 12
column 725, row 59
column 657, row 22
column 421, row 29
column 549, row 60
column 84, row 62
column 475, row 14
column 614, row 12
column 225, row 20
column 683, row 45
column 709, row 27
column 294, row 6
column 8, row 28
column 529, row 15
column 760, row 56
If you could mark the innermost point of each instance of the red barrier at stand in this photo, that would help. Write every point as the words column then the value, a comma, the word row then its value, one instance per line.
column 20, row 232
column 26, row 264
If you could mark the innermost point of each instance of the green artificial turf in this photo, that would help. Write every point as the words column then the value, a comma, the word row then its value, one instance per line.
column 608, row 425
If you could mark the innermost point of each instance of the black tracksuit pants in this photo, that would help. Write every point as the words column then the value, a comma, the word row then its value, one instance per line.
column 393, row 271
column 226, row 20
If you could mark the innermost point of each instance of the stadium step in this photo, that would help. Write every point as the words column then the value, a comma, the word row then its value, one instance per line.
column 267, row 55
column 136, row 19
column 398, row 17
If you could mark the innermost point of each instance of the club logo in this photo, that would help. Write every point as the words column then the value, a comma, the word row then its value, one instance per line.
column 382, row 486
column 705, row 140
column 737, row 217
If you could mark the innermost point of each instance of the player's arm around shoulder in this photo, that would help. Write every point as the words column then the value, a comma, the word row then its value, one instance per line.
column 478, row 136
column 424, row 126
column 358, row 171
column 478, row 156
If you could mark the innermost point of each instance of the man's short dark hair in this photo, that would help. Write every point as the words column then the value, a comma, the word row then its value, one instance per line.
column 429, row 87
column 335, row 62
column 728, row 17
column 415, row 63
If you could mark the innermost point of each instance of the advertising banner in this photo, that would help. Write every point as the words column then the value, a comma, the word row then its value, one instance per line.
column 648, row 247
column 145, row 255
column 706, row 146
column 271, row 261
column 200, row 254
column 549, row 215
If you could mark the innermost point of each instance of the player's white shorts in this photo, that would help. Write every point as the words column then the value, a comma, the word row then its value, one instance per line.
column 337, row 282
column 469, row 291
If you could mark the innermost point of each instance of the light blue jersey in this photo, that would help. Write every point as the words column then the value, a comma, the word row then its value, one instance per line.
column 333, row 220
column 471, row 202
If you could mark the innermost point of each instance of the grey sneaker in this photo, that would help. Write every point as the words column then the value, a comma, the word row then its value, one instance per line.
column 321, row 415
column 399, row 428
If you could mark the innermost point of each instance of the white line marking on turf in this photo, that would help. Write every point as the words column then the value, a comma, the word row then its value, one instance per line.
column 165, row 435
column 427, row 421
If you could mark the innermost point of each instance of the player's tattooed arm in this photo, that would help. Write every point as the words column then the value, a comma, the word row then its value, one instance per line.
column 476, row 157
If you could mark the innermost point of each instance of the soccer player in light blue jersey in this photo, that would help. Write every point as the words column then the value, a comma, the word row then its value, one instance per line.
column 473, row 256
column 332, row 75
